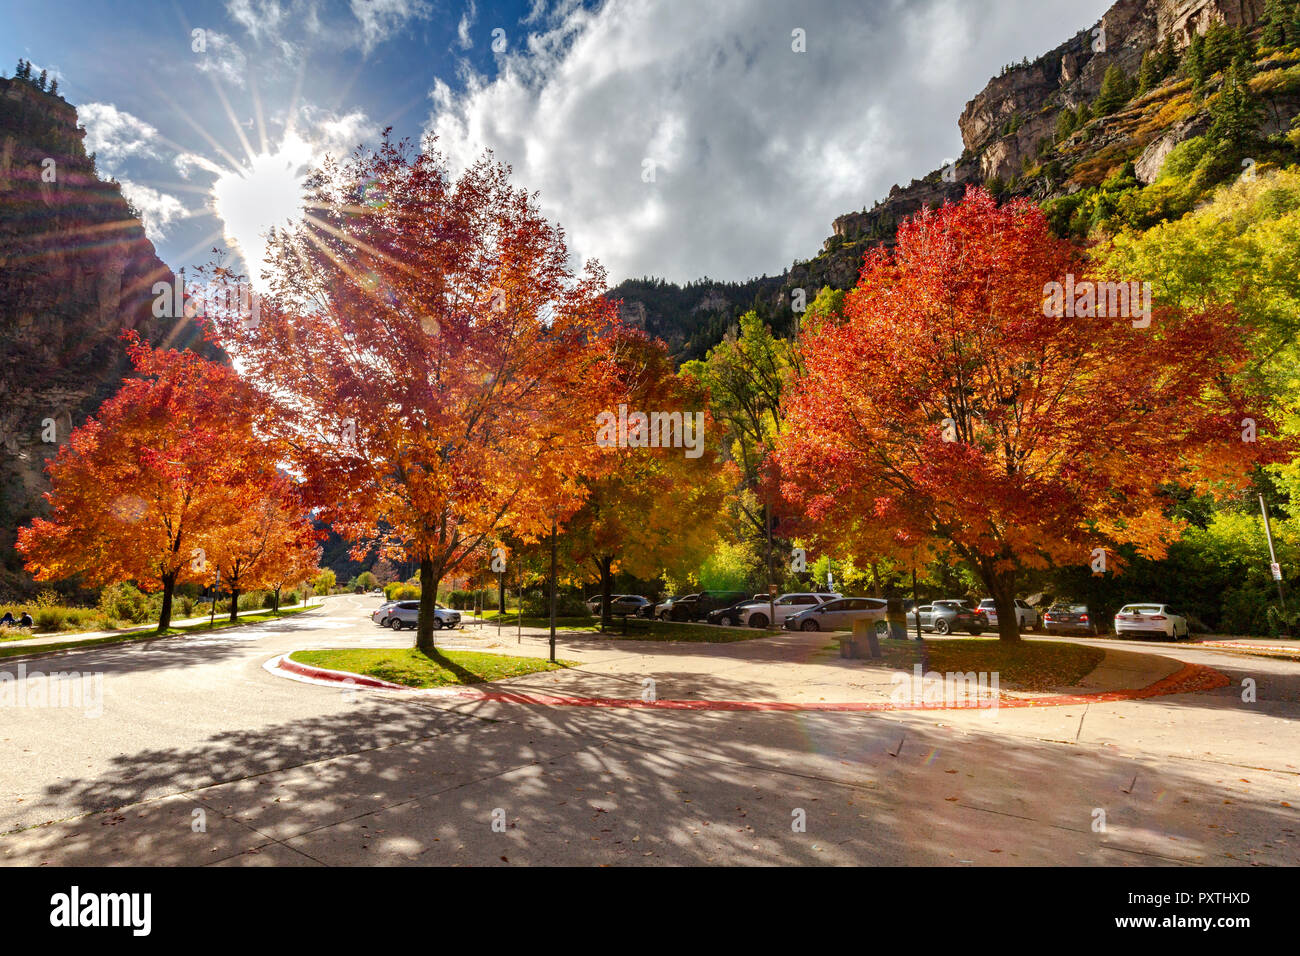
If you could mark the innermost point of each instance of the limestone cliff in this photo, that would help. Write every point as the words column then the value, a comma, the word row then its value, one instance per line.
column 76, row 269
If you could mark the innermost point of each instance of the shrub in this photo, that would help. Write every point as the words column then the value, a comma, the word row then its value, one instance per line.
column 537, row 604
column 124, row 602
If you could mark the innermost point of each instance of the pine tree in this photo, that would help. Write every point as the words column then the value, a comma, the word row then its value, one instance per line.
column 1066, row 124
column 1115, row 91
column 41, row 82
column 1234, row 116
column 1168, row 57
column 1146, row 78
column 1194, row 60
column 1276, row 19
column 54, row 86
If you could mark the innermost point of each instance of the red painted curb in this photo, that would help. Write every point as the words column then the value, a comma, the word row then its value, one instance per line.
column 1191, row 678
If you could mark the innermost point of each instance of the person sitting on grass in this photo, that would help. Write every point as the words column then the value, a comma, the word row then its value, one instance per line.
column 26, row 621
column 8, row 619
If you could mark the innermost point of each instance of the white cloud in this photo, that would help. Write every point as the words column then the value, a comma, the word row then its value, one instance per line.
column 158, row 210
column 380, row 19
column 330, row 132
column 261, row 18
column 757, row 147
column 466, row 23
column 114, row 135
column 223, row 58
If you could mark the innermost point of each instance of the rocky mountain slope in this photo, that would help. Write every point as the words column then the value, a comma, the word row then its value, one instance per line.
column 1115, row 140
column 76, row 269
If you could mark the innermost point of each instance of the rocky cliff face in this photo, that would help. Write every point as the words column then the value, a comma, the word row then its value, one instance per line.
column 1010, row 125
column 76, row 270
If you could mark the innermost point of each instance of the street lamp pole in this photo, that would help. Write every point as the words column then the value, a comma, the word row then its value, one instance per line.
column 1274, row 567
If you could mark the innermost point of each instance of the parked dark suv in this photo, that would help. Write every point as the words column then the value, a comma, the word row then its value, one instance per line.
column 696, row 607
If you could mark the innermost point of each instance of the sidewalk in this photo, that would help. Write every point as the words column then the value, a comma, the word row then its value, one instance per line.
column 64, row 637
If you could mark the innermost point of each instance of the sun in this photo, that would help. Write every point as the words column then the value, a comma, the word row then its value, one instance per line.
column 265, row 193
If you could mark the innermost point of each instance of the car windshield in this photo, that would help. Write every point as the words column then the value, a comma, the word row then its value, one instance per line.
column 1070, row 608
column 1141, row 609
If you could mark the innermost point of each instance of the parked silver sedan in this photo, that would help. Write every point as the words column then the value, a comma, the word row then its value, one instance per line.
column 837, row 615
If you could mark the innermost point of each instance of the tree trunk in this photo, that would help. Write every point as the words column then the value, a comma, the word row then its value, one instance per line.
column 169, row 586
column 1002, row 588
column 234, row 604
column 606, row 590
column 276, row 607
column 428, row 602
column 554, row 584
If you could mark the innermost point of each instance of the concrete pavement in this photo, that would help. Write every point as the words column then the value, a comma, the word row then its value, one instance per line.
column 202, row 757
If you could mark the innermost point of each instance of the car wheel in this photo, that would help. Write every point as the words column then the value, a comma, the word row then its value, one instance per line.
column 727, row 621
column 941, row 626
column 757, row 620
column 808, row 626
column 395, row 623
column 437, row 624
column 976, row 631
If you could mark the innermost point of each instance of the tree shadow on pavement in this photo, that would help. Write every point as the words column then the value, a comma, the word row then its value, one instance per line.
column 399, row 779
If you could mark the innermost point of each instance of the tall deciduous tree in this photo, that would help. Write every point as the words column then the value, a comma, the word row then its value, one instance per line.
column 159, row 478
column 952, row 407
column 656, row 504
column 431, row 358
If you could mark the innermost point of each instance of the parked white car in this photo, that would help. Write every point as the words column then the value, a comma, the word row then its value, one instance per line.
column 1151, row 620
column 1026, row 616
column 757, row 614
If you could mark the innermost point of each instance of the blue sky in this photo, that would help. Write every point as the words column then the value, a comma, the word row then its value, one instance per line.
column 755, row 146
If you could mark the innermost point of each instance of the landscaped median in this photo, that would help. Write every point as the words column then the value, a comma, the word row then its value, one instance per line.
column 983, row 674
column 411, row 667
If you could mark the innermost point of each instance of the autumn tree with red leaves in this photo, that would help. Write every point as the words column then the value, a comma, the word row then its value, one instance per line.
column 163, row 475
column 431, row 359
column 951, row 410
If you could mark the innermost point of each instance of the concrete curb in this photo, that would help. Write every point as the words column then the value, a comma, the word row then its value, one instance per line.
column 1190, row 678
column 1280, row 649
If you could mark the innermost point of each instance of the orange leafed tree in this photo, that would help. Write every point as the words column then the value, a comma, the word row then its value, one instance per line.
column 431, row 358
column 947, row 410
column 271, row 540
column 156, row 480
column 656, row 504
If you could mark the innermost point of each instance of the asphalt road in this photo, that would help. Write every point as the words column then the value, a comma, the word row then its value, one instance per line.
column 196, row 755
